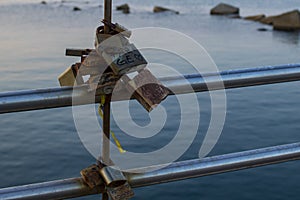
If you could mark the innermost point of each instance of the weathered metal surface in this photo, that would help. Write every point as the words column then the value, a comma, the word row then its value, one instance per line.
column 147, row 89
column 91, row 176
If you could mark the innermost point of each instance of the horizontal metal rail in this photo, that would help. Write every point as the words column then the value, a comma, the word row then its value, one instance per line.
column 60, row 97
column 75, row 187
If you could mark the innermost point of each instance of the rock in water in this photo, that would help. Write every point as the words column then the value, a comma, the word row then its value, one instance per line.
column 289, row 21
column 268, row 20
column 158, row 9
column 124, row 8
column 262, row 29
column 44, row 2
column 76, row 8
column 255, row 17
column 224, row 9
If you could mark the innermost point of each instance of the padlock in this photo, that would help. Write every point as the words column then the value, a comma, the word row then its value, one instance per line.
column 115, row 30
column 120, row 55
column 116, row 183
column 112, row 176
column 146, row 89
column 101, row 36
column 70, row 76
column 118, row 28
column 107, row 41
column 93, row 64
column 103, row 83
column 91, row 176
column 123, row 59
column 122, row 192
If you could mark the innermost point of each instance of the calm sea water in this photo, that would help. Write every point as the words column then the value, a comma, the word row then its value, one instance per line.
column 43, row 145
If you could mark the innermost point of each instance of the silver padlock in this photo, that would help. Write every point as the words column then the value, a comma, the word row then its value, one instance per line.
column 116, row 183
column 112, row 176
column 122, row 58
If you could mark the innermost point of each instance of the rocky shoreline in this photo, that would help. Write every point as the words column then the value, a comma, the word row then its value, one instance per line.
column 288, row 21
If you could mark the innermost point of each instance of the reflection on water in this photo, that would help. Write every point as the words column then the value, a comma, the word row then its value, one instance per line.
column 287, row 37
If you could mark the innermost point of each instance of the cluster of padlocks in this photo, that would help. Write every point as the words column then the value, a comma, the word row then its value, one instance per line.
column 113, row 58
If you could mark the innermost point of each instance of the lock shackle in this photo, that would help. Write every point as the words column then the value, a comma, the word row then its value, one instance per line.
column 116, row 183
column 112, row 177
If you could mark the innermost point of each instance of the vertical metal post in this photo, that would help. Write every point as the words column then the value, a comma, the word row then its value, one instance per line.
column 107, row 13
column 106, row 110
column 106, row 130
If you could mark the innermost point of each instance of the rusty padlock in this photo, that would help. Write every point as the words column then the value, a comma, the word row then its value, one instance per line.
column 122, row 192
column 146, row 89
column 91, row 176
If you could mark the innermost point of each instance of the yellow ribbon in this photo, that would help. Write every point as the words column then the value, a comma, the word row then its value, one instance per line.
column 121, row 150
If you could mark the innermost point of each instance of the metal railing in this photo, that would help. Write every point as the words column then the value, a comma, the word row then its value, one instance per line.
column 61, row 97
column 75, row 187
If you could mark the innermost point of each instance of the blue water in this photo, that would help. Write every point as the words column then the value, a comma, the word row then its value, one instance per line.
column 43, row 145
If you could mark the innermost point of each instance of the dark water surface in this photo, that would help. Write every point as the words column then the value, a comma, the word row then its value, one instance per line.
column 43, row 145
